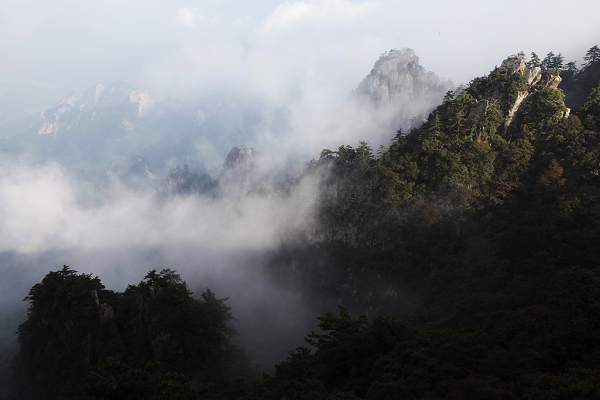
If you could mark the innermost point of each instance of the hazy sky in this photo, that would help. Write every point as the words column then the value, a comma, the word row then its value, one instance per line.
column 277, row 48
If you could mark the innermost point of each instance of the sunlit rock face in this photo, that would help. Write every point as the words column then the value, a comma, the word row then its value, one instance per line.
column 401, row 88
column 82, row 107
column 513, row 102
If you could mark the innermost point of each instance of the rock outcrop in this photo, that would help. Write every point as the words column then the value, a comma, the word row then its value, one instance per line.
column 399, row 83
column 512, row 102
column 84, row 106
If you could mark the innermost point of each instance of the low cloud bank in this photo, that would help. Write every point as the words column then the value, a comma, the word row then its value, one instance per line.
column 51, row 219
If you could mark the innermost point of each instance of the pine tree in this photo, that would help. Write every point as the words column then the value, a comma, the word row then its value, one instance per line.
column 569, row 72
column 557, row 62
column 592, row 56
column 534, row 62
column 548, row 62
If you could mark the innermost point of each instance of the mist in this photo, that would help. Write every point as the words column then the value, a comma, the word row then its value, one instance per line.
column 285, row 73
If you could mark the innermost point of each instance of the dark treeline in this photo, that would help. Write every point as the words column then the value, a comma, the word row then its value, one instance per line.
column 83, row 341
column 576, row 81
column 465, row 257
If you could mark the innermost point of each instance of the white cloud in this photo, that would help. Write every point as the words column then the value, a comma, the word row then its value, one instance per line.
column 40, row 211
column 327, row 13
column 189, row 17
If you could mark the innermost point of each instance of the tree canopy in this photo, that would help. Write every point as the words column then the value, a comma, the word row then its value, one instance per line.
column 82, row 340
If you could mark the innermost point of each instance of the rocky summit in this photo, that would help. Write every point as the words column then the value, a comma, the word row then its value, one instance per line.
column 400, row 84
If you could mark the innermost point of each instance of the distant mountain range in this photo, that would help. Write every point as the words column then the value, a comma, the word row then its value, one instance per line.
column 116, row 125
column 123, row 130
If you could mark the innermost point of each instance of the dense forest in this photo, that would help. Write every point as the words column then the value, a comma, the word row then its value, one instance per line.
column 463, row 258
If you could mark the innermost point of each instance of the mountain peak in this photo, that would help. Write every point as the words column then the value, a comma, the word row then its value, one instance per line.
column 397, row 78
column 520, row 84
column 399, row 92
column 241, row 158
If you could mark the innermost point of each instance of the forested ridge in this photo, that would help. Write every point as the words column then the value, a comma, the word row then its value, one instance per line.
column 464, row 258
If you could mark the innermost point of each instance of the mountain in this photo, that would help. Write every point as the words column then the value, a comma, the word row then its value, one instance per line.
column 156, row 331
column 398, row 81
column 93, row 103
column 18, row 100
column 398, row 93
column 244, row 170
column 480, row 229
column 492, row 167
column 579, row 86
column 108, row 127
column 103, row 103
column 469, row 246
column 400, row 86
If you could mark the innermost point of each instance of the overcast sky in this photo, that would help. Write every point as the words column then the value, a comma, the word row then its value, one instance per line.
column 275, row 48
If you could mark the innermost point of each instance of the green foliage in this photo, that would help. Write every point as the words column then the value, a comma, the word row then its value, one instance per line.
column 543, row 111
column 168, row 341
column 341, row 366
column 63, row 336
column 467, row 211
column 546, row 351
column 592, row 56
column 484, row 234
column 113, row 380
column 590, row 111
column 534, row 61
column 552, row 62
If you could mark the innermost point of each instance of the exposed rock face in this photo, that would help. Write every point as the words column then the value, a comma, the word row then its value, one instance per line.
column 398, row 93
column 512, row 111
column 534, row 75
column 144, row 99
column 79, row 107
column 515, row 64
column 106, row 313
column 479, row 109
column 400, row 84
column 397, row 77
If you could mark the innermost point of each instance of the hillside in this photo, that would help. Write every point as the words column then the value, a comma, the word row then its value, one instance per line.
column 460, row 262
column 479, row 228
column 498, row 179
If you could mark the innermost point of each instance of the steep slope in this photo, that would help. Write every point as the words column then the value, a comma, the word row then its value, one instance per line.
column 482, row 224
column 578, row 84
column 102, row 102
column 425, row 223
